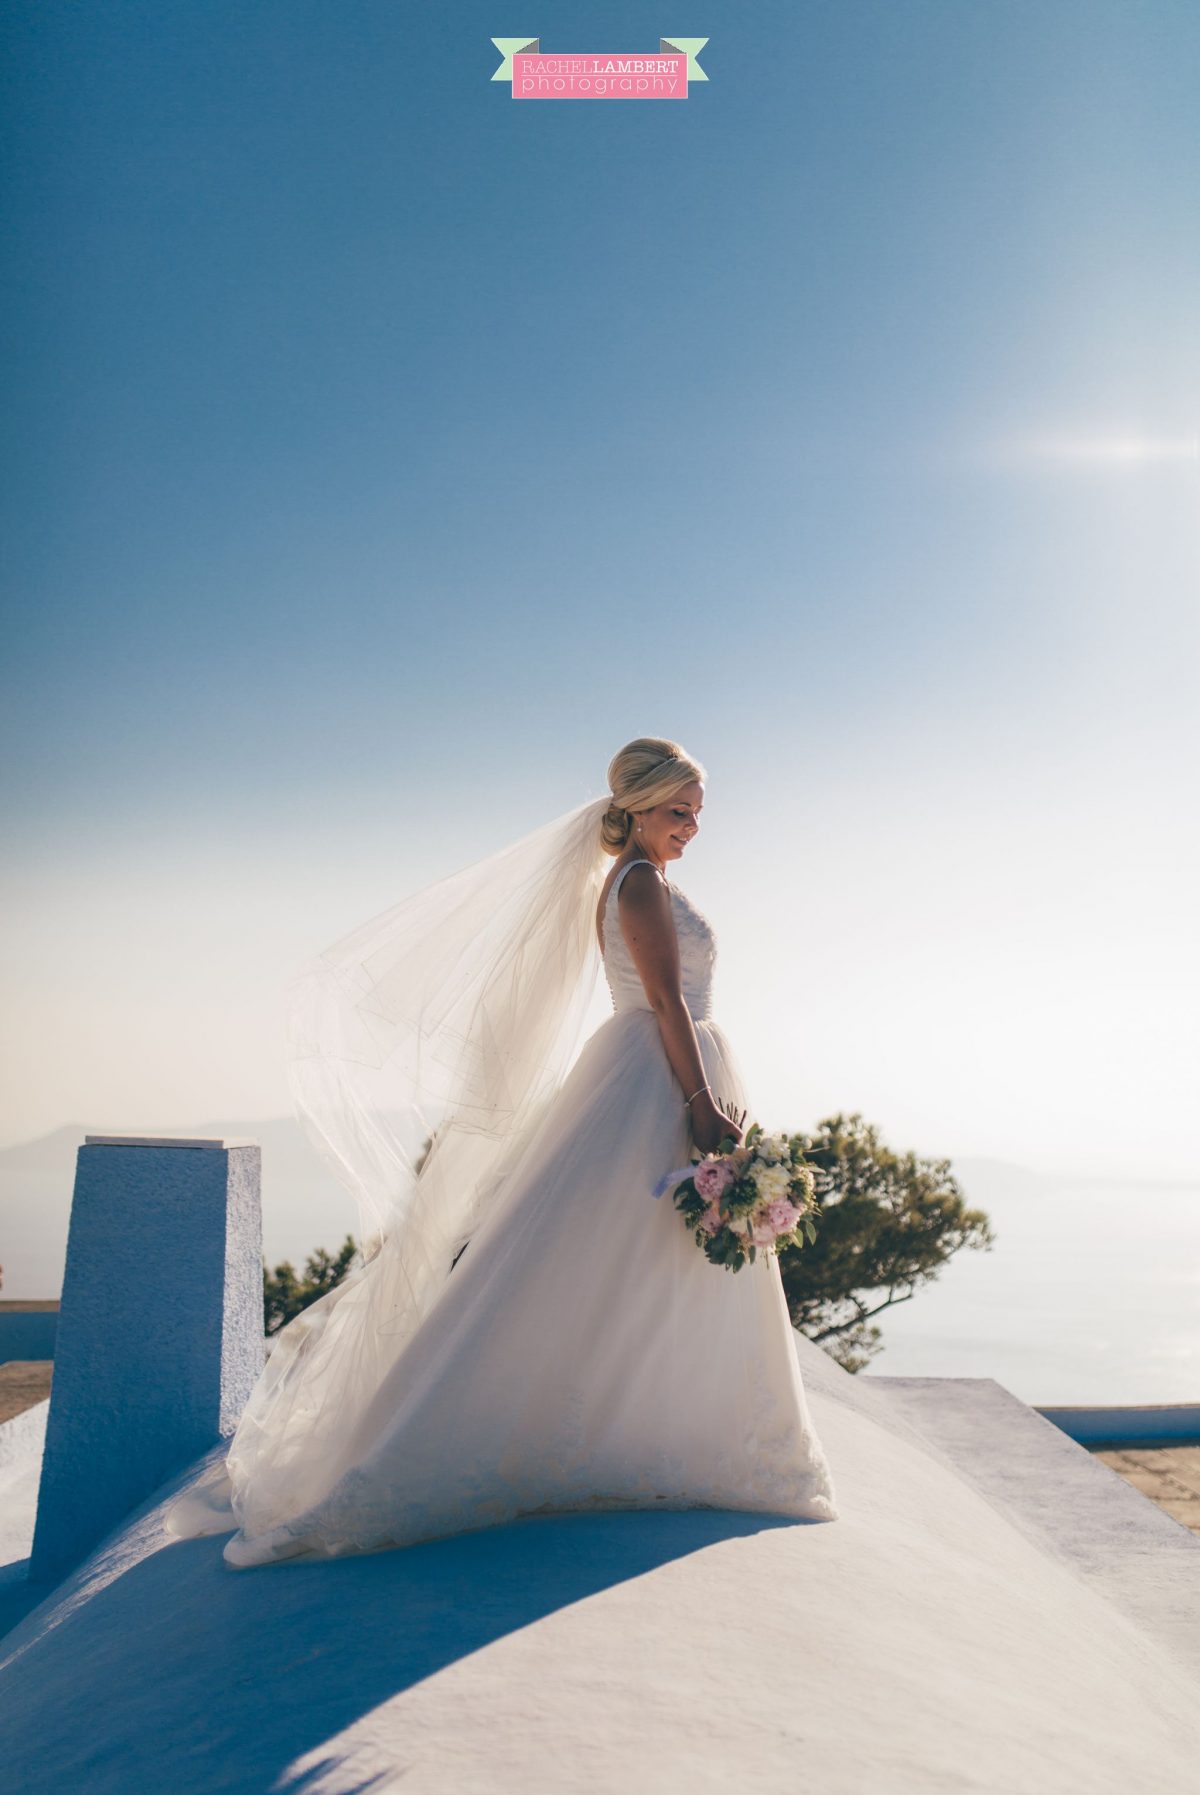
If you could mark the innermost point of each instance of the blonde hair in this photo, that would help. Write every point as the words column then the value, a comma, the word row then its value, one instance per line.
column 643, row 773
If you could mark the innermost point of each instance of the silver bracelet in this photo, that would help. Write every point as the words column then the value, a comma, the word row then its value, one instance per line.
column 695, row 1094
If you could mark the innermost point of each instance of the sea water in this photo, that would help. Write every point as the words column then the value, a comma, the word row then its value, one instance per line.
column 1091, row 1294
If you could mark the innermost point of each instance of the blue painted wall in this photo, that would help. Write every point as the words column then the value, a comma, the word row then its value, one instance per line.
column 27, row 1334
column 160, row 1332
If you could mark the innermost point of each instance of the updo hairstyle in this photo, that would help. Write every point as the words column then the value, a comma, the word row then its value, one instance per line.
column 645, row 772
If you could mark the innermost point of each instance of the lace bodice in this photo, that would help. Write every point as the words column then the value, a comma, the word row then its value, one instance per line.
column 697, row 953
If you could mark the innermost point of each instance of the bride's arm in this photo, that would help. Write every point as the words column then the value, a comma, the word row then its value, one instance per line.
column 648, row 925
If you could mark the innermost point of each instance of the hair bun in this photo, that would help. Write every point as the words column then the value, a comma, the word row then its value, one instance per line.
column 614, row 828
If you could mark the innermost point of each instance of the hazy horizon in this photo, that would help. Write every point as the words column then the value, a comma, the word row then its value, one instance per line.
column 1088, row 1294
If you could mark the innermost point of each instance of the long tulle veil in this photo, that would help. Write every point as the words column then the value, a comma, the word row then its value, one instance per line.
column 423, row 1048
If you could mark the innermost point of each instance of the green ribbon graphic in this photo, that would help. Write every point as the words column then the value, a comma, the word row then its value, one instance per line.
column 508, row 48
column 689, row 47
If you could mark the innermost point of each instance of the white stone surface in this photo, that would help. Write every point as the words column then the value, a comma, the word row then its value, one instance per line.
column 945, row 1634
column 168, row 1140
column 21, row 1441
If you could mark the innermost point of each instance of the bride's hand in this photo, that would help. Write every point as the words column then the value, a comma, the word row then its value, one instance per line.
column 711, row 1125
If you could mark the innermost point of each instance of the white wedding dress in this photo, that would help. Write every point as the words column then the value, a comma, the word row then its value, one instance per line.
column 583, row 1353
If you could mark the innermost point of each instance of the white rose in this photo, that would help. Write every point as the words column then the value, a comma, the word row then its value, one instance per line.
column 772, row 1182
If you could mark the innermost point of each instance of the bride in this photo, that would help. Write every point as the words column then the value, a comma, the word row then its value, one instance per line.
column 526, row 1330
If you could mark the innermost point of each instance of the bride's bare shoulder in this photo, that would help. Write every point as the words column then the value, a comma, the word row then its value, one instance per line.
column 643, row 876
column 636, row 884
column 645, row 893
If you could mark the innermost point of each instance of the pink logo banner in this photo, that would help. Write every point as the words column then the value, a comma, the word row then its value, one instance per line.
column 599, row 78
column 537, row 75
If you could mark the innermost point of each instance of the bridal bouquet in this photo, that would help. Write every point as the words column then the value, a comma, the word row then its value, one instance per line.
column 742, row 1199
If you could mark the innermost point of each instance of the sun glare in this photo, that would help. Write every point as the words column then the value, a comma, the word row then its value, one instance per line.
column 1117, row 449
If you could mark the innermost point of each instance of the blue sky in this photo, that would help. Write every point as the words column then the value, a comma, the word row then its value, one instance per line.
column 383, row 453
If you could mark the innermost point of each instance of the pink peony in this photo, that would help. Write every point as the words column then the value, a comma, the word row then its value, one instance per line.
column 712, row 1219
column 781, row 1216
column 713, row 1177
column 762, row 1233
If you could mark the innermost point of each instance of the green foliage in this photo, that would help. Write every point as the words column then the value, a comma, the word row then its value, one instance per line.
column 285, row 1294
column 888, row 1223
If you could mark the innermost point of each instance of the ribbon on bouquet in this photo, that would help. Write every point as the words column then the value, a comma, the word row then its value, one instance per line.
column 670, row 1178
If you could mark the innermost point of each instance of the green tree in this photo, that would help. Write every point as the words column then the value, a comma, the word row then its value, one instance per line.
column 285, row 1294
column 889, row 1222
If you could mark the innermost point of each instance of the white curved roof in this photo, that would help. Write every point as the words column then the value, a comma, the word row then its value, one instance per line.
column 994, row 1610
